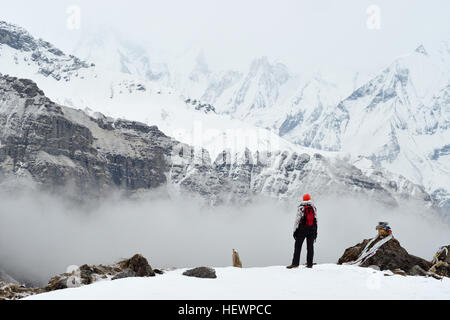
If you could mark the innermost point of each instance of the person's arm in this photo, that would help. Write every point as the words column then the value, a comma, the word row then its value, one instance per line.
column 316, row 224
column 297, row 220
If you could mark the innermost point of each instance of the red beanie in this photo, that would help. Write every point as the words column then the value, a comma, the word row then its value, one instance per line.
column 306, row 197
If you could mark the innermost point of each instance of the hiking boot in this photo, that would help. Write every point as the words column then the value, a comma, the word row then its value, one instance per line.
column 310, row 266
column 292, row 266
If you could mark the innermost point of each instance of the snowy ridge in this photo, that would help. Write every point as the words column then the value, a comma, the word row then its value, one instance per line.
column 39, row 55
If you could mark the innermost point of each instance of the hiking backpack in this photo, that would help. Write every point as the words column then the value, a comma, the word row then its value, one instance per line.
column 308, row 215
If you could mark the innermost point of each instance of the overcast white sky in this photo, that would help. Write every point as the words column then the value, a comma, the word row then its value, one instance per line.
column 327, row 34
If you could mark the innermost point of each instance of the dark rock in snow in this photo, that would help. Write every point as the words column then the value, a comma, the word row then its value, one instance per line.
column 201, row 272
column 136, row 266
column 417, row 271
column 390, row 256
column 59, row 283
column 125, row 274
column 139, row 265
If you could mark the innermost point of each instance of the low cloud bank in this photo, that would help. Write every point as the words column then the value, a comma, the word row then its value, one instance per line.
column 40, row 235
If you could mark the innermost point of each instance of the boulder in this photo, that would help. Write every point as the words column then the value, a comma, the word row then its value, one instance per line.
column 158, row 271
column 201, row 272
column 390, row 256
column 352, row 253
column 139, row 265
column 126, row 274
column 417, row 271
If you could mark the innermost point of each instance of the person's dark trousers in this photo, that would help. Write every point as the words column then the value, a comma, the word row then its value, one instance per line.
column 301, row 234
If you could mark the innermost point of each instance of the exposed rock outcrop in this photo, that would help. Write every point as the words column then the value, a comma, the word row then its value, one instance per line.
column 139, row 265
column 55, row 146
column 11, row 291
column 390, row 256
column 124, row 274
column 136, row 266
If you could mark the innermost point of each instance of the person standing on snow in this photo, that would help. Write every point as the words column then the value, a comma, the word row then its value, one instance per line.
column 305, row 227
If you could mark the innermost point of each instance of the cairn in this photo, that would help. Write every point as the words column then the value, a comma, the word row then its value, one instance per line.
column 383, row 229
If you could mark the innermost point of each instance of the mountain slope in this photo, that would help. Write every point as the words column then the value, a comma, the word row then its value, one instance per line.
column 406, row 111
column 56, row 147
column 244, row 160
column 122, row 95
column 399, row 120
column 19, row 48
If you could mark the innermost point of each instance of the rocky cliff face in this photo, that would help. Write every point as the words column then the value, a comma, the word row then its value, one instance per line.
column 52, row 145
column 55, row 146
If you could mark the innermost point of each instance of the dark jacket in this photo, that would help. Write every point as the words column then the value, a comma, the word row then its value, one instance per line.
column 299, row 226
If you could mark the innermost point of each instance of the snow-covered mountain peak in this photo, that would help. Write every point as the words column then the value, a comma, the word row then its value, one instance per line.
column 261, row 88
column 405, row 113
column 407, row 89
column 114, row 52
column 262, row 67
column 201, row 66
